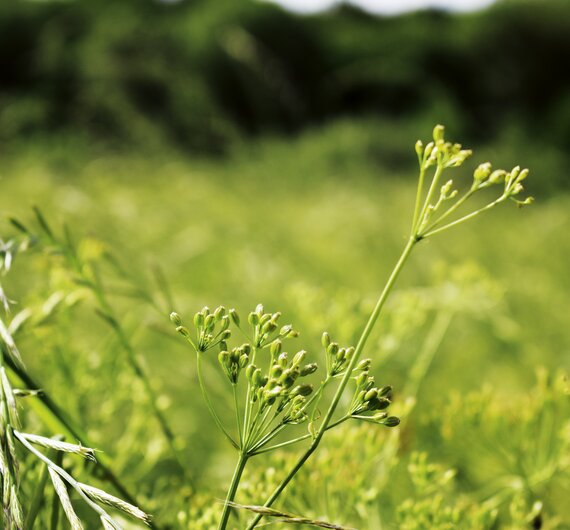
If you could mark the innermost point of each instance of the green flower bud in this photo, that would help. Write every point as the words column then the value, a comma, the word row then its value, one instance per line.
column 253, row 319
column 371, row 394
column 497, row 176
column 385, row 391
column 219, row 312
column 246, row 348
column 438, row 133
column 299, row 357
column 419, row 148
column 288, row 378
column 249, row 371
column 275, row 348
column 235, row 317
column 269, row 327
column 428, row 150
column 380, row 416
column 209, row 322
column 175, row 319
column 325, row 340
column 199, row 320
column 522, row 175
column 225, row 322
column 308, row 369
column 243, row 360
column 364, row 365
column 282, row 359
column 379, row 403
column 264, row 318
column 286, row 331
column 224, row 358
column 223, row 345
column 183, row 331
column 392, row 421
column 481, row 174
column 302, row 390
column 361, row 379
column 259, row 310
column 257, row 378
column 333, row 348
column 226, row 334
column 276, row 371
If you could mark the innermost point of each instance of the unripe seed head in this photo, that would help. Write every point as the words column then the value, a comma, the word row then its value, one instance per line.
column 175, row 319
column 253, row 319
column 333, row 348
column 309, row 369
column 275, row 347
column 199, row 320
column 392, row 421
column 183, row 331
column 299, row 357
column 371, row 394
column 234, row 316
column 438, row 133
column 209, row 322
column 302, row 390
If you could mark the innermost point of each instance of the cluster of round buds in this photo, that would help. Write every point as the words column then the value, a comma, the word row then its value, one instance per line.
column 266, row 328
column 280, row 384
column 233, row 362
column 370, row 398
column 484, row 176
column 211, row 328
column 337, row 358
column 444, row 154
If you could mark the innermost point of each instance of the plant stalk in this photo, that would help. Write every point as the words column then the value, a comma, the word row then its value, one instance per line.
column 240, row 466
column 346, row 378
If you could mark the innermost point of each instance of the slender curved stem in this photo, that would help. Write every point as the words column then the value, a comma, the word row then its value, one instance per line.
column 209, row 403
column 240, row 466
column 340, row 390
column 465, row 218
column 238, row 419
column 419, row 195
column 295, row 440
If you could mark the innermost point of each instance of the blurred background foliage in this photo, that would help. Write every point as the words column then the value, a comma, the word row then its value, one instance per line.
column 250, row 154
column 199, row 76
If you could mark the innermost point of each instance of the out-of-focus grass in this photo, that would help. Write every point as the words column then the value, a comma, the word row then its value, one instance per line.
column 324, row 214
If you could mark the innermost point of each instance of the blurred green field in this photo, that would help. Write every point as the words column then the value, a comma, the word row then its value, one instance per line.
column 310, row 226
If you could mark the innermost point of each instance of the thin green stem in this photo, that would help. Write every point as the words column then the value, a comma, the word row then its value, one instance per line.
column 206, row 397
column 344, row 382
column 419, row 195
column 466, row 217
column 295, row 440
column 248, row 396
column 240, row 466
column 450, row 210
column 432, row 188
column 238, row 419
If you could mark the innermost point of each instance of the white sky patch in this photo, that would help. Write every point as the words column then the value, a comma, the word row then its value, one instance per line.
column 385, row 7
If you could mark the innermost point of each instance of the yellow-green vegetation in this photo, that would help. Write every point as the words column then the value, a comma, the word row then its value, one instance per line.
column 467, row 351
